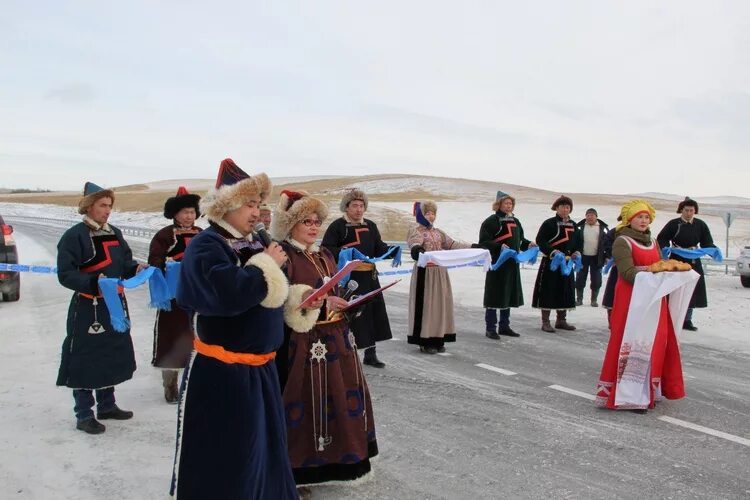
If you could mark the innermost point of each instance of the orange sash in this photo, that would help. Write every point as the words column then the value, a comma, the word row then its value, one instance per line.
column 229, row 357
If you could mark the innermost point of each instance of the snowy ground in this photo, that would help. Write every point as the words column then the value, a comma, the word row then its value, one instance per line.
column 447, row 428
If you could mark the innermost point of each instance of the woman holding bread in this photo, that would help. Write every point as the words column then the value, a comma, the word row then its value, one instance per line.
column 635, row 251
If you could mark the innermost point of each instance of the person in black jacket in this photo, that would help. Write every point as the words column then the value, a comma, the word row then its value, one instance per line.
column 688, row 232
column 552, row 289
column 593, row 233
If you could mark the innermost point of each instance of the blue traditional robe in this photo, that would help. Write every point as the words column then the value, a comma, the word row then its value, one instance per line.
column 231, row 440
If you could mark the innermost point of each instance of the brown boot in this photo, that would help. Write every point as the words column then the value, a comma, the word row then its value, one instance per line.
column 561, row 323
column 169, row 381
column 546, row 325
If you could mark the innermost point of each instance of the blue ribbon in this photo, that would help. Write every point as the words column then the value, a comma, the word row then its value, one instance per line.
column 23, row 268
column 608, row 265
column 696, row 253
column 349, row 254
column 566, row 266
column 507, row 254
column 173, row 277
column 157, row 287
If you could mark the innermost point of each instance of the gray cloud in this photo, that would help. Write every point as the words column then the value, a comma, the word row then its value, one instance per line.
column 72, row 93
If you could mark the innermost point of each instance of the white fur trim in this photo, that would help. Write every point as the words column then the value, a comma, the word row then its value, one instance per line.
column 229, row 228
column 299, row 320
column 278, row 285
column 301, row 247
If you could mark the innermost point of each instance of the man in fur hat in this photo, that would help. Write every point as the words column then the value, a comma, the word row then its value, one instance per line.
column 95, row 357
column 353, row 230
column 552, row 289
column 173, row 330
column 231, row 439
column 265, row 215
column 687, row 231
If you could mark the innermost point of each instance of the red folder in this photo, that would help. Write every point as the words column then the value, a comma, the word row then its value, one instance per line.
column 332, row 282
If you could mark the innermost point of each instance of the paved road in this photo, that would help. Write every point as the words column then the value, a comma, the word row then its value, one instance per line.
column 450, row 429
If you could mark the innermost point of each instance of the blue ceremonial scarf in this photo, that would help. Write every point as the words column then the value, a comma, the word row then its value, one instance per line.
column 173, row 277
column 348, row 254
column 507, row 254
column 697, row 253
column 608, row 265
column 24, row 268
column 566, row 266
column 158, row 289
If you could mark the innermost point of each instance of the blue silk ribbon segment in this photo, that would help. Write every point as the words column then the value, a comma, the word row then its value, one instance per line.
column 693, row 253
column 157, row 288
column 507, row 254
column 173, row 277
column 348, row 254
column 565, row 265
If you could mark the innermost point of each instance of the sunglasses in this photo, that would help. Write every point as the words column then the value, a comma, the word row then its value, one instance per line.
column 310, row 222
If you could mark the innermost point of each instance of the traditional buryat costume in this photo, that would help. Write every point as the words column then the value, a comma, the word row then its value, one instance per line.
column 431, row 322
column 372, row 324
column 173, row 329
column 231, row 440
column 95, row 357
column 502, row 287
column 330, row 425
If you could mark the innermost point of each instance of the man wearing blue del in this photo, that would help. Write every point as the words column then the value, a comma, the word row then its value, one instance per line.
column 231, row 440
column 95, row 357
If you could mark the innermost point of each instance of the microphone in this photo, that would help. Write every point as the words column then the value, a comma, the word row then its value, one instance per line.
column 351, row 286
column 260, row 230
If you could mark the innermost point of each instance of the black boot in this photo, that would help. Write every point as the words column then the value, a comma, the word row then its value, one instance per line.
column 115, row 414
column 371, row 358
column 491, row 334
column 90, row 426
column 508, row 331
column 688, row 325
column 594, row 296
column 579, row 296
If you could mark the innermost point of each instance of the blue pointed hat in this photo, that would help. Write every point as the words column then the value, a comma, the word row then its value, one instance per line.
column 91, row 188
column 499, row 197
column 91, row 193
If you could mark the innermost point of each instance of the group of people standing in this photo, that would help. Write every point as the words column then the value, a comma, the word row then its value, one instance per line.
column 273, row 395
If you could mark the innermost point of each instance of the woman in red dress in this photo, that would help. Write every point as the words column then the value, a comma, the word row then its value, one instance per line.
column 634, row 250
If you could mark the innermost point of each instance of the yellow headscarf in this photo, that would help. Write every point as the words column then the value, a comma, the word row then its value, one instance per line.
column 633, row 208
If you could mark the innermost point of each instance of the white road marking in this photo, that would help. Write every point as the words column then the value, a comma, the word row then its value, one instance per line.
column 444, row 354
column 495, row 369
column 706, row 430
column 567, row 390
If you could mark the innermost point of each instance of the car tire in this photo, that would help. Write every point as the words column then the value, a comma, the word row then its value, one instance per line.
column 11, row 297
column 745, row 280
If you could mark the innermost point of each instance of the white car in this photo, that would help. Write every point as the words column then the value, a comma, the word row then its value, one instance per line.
column 743, row 266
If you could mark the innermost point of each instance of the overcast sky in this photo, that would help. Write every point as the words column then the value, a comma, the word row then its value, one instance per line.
column 573, row 96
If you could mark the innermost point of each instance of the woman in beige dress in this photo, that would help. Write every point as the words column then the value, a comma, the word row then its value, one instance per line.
column 431, row 322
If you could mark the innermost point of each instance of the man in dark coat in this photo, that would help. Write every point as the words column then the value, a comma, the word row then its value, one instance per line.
column 95, row 357
column 552, row 289
column 231, row 440
column 688, row 232
column 173, row 329
column 593, row 234
column 502, row 287
column 353, row 230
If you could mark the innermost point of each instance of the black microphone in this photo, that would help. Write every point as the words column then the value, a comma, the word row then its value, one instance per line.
column 260, row 230
column 351, row 286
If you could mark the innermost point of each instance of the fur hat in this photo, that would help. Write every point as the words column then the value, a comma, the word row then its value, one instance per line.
column 350, row 196
column 687, row 202
column 233, row 189
column 92, row 193
column 499, row 197
column 181, row 200
column 562, row 200
column 266, row 207
column 294, row 207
